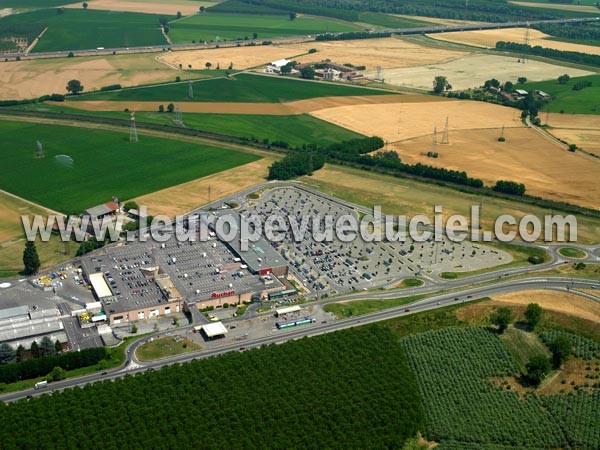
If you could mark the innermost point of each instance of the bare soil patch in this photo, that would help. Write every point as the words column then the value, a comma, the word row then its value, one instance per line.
column 488, row 39
column 36, row 77
column 572, row 374
column 188, row 196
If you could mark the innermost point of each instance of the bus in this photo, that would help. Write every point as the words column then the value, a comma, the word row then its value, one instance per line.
column 294, row 323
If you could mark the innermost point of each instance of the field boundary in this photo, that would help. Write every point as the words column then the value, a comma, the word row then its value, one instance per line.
column 37, row 205
column 212, row 137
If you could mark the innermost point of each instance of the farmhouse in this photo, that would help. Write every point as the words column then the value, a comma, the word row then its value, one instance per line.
column 542, row 94
column 101, row 211
column 275, row 66
column 521, row 93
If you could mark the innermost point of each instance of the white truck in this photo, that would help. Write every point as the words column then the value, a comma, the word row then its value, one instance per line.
column 40, row 384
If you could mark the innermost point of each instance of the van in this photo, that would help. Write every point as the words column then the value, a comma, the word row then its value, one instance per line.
column 41, row 384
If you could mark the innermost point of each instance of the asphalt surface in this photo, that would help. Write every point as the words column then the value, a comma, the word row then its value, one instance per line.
column 187, row 46
column 132, row 365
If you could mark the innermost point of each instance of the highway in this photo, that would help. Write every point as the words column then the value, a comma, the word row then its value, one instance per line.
column 189, row 46
column 133, row 366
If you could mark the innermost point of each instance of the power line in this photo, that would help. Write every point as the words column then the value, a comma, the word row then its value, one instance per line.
column 445, row 138
column 133, row 136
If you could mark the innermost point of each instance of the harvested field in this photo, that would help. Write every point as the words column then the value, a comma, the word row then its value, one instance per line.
column 186, row 7
column 188, row 196
column 386, row 52
column 488, row 39
column 410, row 197
column 36, row 77
column 574, row 121
column 580, row 8
column 588, row 140
column 295, row 107
column 579, row 129
column 11, row 209
column 555, row 301
column 527, row 157
column 238, row 57
column 473, row 70
column 400, row 121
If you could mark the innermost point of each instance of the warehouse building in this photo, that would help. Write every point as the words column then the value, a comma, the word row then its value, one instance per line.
column 20, row 326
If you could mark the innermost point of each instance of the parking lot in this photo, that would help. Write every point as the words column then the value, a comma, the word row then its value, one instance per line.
column 199, row 270
column 338, row 267
column 202, row 268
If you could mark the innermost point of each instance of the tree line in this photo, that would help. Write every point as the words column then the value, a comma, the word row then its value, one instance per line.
column 38, row 367
column 348, row 389
column 355, row 151
column 562, row 55
column 581, row 31
column 480, row 10
column 510, row 187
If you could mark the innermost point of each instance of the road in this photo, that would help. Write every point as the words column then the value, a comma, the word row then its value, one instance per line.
column 133, row 366
column 289, row 39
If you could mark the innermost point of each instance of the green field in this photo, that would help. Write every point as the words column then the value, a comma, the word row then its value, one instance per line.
column 571, row 252
column 360, row 307
column 391, row 21
column 565, row 3
column 207, row 26
column 241, row 88
column 163, row 347
column 103, row 164
column 22, row 4
column 296, row 130
column 565, row 99
column 79, row 29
